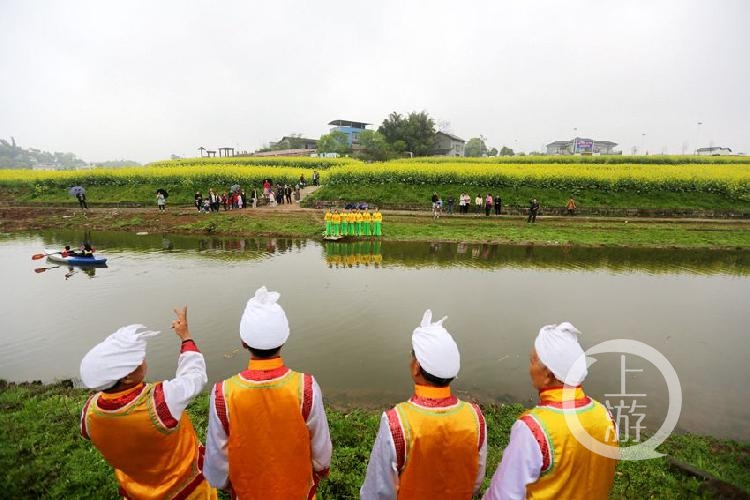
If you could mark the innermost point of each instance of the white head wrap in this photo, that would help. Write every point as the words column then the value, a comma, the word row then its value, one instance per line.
column 435, row 349
column 115, row 357
column 558, row 349
column 264, row 324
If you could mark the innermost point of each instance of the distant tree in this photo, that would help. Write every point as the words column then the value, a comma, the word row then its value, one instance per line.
column 376, row 148
column 334, row 142
column 475, row 147
column 414, row 133
column 492, row 152
column 506, row 151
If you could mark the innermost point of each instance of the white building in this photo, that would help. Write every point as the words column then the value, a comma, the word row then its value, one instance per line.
column 581, row 145
column 714, row 151
column 448, row 145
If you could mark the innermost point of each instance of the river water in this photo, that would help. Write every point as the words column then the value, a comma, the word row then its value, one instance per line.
column 352, row 307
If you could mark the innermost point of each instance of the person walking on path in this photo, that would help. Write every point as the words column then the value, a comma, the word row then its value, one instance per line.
column 544, row 458
column 434, row 445
column 571, row 206
column 198, row 200
column 477, row 205
column 142, row 429
column 81, row 197
column 451, row 202
column 161, row 202
column 268, row 435
column 498, row 204
column 533, row 210
column 488, row 205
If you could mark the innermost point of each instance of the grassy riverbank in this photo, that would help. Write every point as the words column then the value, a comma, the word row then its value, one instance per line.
column 397, row 226
column 43, row 456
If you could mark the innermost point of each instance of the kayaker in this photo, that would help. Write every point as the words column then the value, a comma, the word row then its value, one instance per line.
column 87, row 252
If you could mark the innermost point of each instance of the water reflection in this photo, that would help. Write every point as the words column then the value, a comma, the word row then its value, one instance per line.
column 374, row 253
column 483, row 255
column 353, row 254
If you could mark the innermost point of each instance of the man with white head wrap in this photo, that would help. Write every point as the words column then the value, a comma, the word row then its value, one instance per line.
column 142, row 429
column 544, row 459
column 434, row 445
column 268, row 435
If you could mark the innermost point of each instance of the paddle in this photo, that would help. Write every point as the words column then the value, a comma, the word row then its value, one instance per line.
column 38, row 256
column 42, row 269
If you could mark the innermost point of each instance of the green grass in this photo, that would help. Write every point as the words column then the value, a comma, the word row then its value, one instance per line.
column 410, row 194
column 43, row 456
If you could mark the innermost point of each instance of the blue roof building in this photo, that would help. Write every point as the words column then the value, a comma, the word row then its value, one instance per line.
column 350, row 128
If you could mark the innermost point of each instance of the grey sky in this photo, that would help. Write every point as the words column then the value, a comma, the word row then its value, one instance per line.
column 142, row 80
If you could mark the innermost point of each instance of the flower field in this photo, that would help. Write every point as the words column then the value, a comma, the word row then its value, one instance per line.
column 730, row 180
column 679, row 181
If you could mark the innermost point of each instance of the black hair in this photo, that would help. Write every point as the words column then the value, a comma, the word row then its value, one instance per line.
column 264, row 353
column 432, row 379
column 436, row 381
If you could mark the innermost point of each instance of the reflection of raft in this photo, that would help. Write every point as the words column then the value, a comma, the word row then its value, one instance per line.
column 341, row 237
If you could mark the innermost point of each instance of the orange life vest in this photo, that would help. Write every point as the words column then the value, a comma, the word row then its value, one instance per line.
column 154, row 455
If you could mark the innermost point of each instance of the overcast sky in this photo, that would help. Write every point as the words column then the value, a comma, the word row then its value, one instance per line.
column 141, row 80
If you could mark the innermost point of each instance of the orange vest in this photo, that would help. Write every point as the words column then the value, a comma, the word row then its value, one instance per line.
column 154, row 455
column 569, row 469
column 437, row 439
column 263, row 411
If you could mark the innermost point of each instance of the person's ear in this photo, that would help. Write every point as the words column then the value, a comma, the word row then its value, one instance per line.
column 414, row 366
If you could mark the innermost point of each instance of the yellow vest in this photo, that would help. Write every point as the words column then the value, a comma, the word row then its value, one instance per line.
column 437, row 438
column 336, row 218
column 358, row 217
column 327, row 216
column 264, row 411
column 368, row 217
column 569, row 469
column 377, row 217
column 154, row 456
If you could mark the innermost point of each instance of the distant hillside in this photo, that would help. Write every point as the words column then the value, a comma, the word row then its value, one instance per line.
column 13, row 156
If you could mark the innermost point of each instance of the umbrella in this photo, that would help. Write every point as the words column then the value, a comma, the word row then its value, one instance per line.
column 164, row 192
column 76, row 190
column 235, row 188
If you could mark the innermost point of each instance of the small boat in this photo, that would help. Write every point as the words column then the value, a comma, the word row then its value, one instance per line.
column 55, row 256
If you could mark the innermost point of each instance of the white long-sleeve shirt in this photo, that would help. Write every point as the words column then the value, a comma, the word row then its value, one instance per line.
column 520, row 466
column 216, row 464
column 382, row 479
column 189, row 380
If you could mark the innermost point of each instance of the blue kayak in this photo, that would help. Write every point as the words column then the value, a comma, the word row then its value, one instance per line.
column 74, row 260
